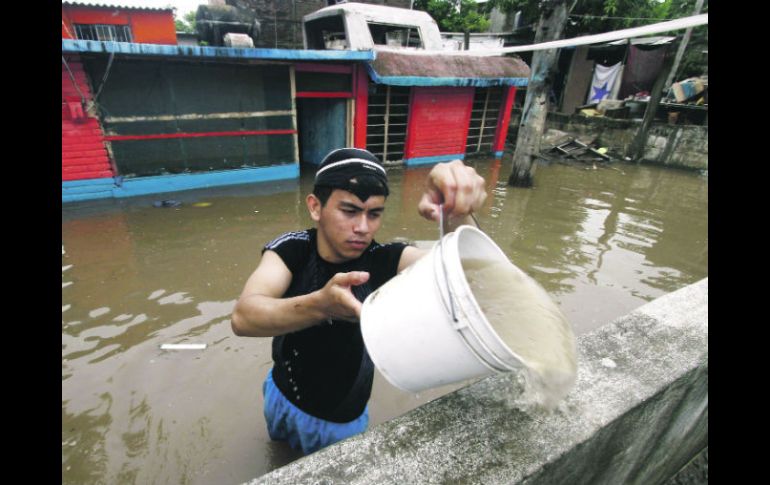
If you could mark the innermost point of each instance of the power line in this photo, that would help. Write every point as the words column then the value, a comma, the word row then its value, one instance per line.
column 605, row 17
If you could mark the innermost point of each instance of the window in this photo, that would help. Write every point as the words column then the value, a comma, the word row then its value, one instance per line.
column 326, row 33
column 484, row 116
column 115, row 33
column 395, row 35
column 387, row 118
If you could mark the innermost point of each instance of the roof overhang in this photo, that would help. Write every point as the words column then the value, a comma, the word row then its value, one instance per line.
column 440, row 69
column 184, row 51
column 103, row 5
column 654, row 40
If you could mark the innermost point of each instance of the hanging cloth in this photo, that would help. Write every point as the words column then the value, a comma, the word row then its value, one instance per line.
column 642, row 68
column 603, row 82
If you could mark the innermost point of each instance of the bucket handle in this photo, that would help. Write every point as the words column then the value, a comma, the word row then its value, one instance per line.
column 441, row 252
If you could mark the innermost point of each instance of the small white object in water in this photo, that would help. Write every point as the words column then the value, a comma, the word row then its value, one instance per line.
column 609, row 363
column 183, row 346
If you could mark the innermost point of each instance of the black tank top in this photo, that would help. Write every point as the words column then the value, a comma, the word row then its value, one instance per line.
column 325, row 370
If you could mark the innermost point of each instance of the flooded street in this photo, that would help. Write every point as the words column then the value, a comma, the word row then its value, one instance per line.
column 601, row 242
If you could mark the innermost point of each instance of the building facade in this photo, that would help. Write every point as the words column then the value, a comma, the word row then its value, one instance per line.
column 142, row 118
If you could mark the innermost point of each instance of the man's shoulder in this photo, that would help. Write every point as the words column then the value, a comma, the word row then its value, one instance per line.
column 386, row 251
column 390, row 246
column 290, row 238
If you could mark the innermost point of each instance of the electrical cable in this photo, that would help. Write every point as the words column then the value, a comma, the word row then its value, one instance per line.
column 104, row 78
column 72, row 77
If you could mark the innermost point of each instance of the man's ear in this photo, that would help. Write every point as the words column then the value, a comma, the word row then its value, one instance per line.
column 313, row 206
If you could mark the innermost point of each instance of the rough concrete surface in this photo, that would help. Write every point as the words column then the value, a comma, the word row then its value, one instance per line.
column 680, row 146
column 638, row 414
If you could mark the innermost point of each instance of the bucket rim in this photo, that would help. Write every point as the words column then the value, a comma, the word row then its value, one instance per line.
column 482, row 332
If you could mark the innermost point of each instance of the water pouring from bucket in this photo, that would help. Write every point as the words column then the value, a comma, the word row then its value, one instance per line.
column 465, row 311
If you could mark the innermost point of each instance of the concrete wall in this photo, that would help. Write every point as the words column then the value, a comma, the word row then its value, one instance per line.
column 681, row 146
column 638, row 414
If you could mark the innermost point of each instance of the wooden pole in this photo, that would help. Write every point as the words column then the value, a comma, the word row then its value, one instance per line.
column 636, row 149
column 533, row 115
column 683, row 46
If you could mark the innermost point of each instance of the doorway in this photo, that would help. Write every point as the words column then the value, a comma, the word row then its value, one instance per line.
column 322, row 125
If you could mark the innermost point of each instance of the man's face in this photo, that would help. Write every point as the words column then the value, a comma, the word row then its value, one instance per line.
column 346, row 225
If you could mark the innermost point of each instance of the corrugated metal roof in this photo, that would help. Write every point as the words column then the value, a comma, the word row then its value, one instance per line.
column 130, row 48
column 438, row 69
column 655, row 40
column 124, row 7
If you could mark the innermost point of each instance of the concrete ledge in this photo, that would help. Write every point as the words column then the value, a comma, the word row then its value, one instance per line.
column 638, row 414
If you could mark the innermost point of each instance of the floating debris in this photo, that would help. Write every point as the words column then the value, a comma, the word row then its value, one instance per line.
column 562, row 147
column 183, row 346
column 166, row 203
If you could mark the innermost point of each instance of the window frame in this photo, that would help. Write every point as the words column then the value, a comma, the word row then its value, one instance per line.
column 104, row 32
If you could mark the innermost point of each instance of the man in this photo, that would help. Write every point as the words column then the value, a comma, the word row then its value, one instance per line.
column 307, row 292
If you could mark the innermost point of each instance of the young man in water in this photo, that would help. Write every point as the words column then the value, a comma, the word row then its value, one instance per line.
column 307, row 292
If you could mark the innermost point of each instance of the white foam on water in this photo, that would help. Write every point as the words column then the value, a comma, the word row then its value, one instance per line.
column 531, row 325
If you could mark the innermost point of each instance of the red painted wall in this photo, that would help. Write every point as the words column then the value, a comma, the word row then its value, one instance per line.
column 504, row 119
column 438, row 121
column 83, row 154
column 147, row 26
column 361, row 90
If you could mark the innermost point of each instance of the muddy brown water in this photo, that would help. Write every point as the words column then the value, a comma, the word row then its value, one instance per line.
column 601, row 242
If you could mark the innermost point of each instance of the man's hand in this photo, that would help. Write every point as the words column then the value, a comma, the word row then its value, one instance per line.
column 336, row 298
column 455, row 185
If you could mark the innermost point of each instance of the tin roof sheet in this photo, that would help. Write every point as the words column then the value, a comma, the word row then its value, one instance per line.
column 108, row 5
column 186, row 51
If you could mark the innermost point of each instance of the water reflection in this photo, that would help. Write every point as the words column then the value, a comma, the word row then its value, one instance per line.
column 134, row 276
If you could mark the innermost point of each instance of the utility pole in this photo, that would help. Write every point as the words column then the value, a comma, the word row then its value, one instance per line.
column 682, row 46
column 533, row 115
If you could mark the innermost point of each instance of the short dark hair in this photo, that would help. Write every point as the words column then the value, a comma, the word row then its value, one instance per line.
column 323, row 193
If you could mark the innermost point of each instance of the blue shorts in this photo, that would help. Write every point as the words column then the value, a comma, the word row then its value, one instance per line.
column 286, row 422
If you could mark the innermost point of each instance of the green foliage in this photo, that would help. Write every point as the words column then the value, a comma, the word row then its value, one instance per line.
column 186, row 24
column 470, row 18
column 598, row 16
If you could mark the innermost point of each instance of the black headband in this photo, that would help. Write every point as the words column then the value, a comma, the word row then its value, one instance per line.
column 356, row 175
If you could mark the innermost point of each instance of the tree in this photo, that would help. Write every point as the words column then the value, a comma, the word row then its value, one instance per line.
column 186, row 24
column 535, row 110
column 470, row 17
column 588, row 17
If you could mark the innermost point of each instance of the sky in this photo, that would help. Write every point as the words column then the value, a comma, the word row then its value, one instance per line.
column 182, row 6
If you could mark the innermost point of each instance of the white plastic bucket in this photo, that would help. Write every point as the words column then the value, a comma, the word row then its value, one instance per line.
column 418, row 337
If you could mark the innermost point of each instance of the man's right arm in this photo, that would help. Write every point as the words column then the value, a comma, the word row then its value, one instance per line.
column 261, row 312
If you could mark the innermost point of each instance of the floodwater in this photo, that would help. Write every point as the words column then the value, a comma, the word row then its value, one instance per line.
column 602, row 242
